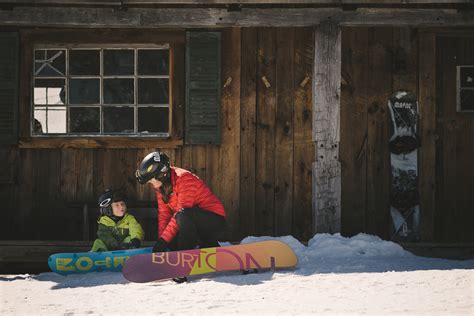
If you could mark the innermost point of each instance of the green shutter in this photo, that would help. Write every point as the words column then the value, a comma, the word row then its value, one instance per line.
column 203, row 87
column 8, row 87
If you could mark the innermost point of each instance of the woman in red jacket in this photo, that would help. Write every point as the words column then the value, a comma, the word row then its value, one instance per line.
column 189, row 214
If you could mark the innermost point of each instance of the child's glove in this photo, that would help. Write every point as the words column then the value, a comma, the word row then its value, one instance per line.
column 134, row 243
column 160, row 246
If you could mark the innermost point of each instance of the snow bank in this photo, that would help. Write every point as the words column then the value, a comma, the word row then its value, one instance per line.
column 328, row 253
column 361, row 245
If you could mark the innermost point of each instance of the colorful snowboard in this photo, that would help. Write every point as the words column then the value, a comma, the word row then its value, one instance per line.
column 83, row 262
column 269, row 254
column 404, row 141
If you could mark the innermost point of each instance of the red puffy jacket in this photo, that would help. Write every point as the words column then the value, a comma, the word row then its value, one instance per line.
column 188, row 191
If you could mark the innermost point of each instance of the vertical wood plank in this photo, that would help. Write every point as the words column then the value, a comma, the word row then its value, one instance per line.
column 187, row 158
column 24, row 198
column 266, row 100
column 124, row 171
column 68, row 179
column 440, row 201
column 461, row 231
column 468, row 214
column 200, row 162
column 353, row 149
column 447, row 207
column 194, row 159
column 326, row 125
column 178, row 156
column 248, row 103
column 405, row 59
column 451, row 141
column 85, row 181
column 54, row 172
column 132, row 181
column 284, row 131
column 303, row 143
column 47, row 195
column 223, row 169
column 378, row 157
column 427, row 132
column 39, row 212
column 230, row 154
column 98, row 172
column 144, row 192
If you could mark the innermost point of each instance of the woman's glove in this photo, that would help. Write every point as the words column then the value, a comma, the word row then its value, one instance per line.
column 134, row 243
column 160, row 246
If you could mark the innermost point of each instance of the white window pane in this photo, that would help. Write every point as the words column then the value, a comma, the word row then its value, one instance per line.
column 57, row 120
column 39, row 121
column 49, row 120
column 49, row 91
column 49, row 96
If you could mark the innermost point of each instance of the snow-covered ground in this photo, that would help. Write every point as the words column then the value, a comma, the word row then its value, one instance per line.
column 335, row 275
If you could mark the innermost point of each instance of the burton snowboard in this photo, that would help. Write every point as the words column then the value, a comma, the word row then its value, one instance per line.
column 269, row 254
column 84, row 262
column 404, row 141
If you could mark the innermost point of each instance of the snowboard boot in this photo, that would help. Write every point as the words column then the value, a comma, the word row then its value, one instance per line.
column 180, row 280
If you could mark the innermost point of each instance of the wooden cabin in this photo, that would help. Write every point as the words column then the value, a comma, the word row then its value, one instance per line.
column 279, row 106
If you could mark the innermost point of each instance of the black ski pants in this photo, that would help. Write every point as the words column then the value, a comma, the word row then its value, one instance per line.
column 197, row 228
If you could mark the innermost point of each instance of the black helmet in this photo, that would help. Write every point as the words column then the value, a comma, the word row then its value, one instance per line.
column 106, row 200
column 154, row 165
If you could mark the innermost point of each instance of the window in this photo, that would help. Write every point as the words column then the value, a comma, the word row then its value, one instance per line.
column 465, row 88
column 101, row 91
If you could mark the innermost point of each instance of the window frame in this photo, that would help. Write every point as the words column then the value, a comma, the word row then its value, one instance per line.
column 102, row 77
column 459, row 88
column 31, row 39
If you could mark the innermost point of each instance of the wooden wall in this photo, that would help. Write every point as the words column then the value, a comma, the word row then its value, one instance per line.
column 455, row 150
column 375, row 63
column 262, row 170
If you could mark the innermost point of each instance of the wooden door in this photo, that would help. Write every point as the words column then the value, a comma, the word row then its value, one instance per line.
column 455, row 149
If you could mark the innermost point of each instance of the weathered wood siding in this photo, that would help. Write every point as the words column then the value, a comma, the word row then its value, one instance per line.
column 375, row 63
column 261, row 171
column 455, row 151
column 326, row 118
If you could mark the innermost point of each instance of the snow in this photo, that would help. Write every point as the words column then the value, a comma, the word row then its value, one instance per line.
column 335, row 275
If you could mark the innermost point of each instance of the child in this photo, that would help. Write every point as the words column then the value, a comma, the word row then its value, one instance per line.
column 117, row 228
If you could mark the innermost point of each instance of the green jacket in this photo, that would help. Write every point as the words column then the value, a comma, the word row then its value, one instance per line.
column 115, row 235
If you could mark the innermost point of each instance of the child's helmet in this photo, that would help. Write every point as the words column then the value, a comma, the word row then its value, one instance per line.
column 106, row 200
column 154, row 165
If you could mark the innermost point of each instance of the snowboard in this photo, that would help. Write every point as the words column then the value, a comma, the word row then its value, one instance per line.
column 270, row 254
column 404, row 143
column 84, row 262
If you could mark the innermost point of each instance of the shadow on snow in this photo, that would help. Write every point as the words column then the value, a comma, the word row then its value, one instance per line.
column 308, row 265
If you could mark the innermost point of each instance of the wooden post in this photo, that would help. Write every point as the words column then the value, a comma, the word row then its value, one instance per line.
column 427, row 151
column 327, row 168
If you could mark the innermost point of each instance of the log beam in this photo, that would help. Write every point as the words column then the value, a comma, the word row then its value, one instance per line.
column 98, row 17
